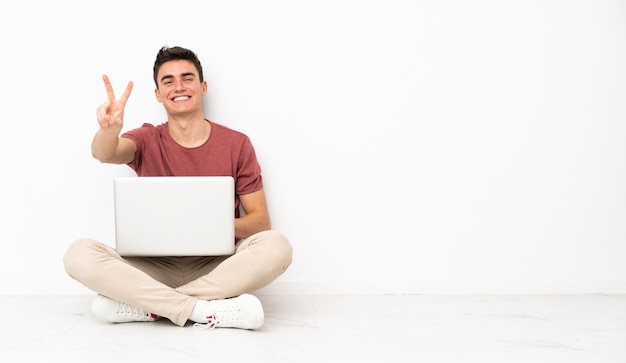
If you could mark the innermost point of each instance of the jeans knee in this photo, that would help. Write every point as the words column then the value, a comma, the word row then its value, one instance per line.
column 281, row 248
column 74, row 259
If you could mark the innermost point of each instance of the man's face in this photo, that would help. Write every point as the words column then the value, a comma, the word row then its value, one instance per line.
column 179, row 87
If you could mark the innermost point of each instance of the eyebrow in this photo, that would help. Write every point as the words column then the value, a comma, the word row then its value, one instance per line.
column 168, row 76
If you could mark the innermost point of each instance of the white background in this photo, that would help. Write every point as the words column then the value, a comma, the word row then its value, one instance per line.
column 407, row 146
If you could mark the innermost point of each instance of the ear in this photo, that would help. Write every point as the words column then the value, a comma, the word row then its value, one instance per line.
column 205, row 88
column 157, row 94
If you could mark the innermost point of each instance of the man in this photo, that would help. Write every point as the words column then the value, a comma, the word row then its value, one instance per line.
column 211, row 291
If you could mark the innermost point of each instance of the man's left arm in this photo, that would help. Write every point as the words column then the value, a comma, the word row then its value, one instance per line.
column 257, row 216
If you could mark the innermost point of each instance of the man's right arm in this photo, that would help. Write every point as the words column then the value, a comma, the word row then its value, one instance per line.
column 108, row 147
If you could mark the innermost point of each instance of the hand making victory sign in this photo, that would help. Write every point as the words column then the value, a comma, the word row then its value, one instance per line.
column 111, row 113
column 107, row 146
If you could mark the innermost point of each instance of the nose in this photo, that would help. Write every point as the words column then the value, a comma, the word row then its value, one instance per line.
column 176, row 83
column 179, row 85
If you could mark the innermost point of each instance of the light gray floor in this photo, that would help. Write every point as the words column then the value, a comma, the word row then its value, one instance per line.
column 379, row 328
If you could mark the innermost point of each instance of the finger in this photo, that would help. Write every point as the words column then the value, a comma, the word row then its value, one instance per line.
column 126, row 94
column 108, row 87
column 102, row 113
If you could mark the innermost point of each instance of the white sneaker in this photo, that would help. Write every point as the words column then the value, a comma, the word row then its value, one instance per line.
column 117, row 312
column 243, row 312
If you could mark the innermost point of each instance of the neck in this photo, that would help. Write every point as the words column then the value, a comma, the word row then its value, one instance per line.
column 189, row 132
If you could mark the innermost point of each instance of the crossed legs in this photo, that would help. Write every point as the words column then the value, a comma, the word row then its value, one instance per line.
column 171, row 286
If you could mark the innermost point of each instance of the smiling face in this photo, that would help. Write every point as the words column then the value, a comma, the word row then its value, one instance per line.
column 179, row 88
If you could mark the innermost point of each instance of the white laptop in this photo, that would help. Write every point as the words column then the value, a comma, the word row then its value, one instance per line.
column 174, row 216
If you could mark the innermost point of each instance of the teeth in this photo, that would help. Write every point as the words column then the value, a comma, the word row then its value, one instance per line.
column 181, row 98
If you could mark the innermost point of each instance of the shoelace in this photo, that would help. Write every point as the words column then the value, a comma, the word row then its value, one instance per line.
column 127, row 310
column 209, row 325
column 224, row 318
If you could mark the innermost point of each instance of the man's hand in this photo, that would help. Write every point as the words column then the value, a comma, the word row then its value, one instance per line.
column 111, row 113
column 107, row 146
